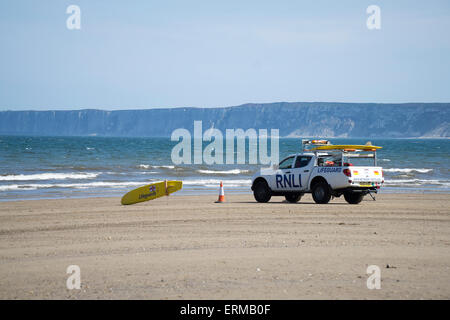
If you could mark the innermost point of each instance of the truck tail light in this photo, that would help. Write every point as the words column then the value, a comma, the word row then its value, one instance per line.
column 347, row 172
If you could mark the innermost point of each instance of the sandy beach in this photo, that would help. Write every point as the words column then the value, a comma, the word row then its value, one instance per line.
column 188, row 247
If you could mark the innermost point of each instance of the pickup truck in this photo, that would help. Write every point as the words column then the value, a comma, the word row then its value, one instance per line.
column 324, row 170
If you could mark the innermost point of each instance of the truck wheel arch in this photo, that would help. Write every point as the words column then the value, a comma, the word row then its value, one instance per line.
column 316, row 180
column 259, row 179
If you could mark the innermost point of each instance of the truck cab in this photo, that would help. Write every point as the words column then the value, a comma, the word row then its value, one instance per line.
column 325, row 171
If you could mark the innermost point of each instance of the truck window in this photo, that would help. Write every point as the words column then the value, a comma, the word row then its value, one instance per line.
column 302, row 161
column 329, row 161
column 286, row 163
column 363, row 162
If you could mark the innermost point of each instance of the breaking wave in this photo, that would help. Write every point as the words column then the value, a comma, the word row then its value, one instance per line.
column 216, row 182
column 232, row 171
column 417, row 182
column 70, row 185
column 48, row 176
column 106, row 184
column 147, row 166
column 407, row 170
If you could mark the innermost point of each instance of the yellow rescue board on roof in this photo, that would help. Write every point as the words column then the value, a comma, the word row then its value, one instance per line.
column 151, row 191
column 347, row 147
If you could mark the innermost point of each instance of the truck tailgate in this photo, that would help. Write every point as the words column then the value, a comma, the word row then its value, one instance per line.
column 366, row 174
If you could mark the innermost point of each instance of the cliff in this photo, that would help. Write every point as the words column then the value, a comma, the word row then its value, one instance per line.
column 292, row 119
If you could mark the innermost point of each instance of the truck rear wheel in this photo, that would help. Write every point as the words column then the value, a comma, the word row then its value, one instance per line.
column 262, row 192
column 353, row 197
column 321, row 193
column 293, row 197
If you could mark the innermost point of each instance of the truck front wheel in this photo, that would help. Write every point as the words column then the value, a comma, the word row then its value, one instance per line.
column 321, row 193
column 261, row 191
column 353, row 197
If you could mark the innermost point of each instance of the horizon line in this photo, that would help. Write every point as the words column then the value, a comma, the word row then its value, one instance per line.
column 220, row 107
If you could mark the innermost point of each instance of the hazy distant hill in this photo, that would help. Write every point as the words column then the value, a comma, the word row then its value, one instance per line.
column 293, row 119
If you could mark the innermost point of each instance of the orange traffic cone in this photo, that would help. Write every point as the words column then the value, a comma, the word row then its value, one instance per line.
column 221, row 194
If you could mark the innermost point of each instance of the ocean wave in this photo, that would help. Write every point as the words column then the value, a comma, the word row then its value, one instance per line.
column 17, row 187
column 417, row 182
column 407, row 170
column 147, row 166
column 71, row 185
column 48, row 176
column 126, row 173
column 106, row 184
column 216, row 182
column 385, row 160
column 232, row 171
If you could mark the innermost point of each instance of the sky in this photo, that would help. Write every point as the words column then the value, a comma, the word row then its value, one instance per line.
column 146, row 54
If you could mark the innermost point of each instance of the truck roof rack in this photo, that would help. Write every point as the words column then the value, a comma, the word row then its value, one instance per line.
column 308, row 145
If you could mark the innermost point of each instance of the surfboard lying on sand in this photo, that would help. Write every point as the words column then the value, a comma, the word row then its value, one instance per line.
column 347, row 147
column 151, row 191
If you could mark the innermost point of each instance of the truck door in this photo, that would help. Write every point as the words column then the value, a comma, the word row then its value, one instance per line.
column 283, row 177
column 301, row 172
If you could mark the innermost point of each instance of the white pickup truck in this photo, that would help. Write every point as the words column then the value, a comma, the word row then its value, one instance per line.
column 324, row 170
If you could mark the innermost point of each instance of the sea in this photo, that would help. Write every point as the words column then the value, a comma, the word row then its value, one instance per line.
column 78, row 167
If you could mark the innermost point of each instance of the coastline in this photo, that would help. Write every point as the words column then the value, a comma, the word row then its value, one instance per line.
column 214, row 191
column 188, row 247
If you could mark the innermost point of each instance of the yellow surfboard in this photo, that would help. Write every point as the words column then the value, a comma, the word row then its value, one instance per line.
column 151, row 191
column 347, row 147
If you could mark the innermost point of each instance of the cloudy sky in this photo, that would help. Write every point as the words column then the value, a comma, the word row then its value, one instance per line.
column 145, row 54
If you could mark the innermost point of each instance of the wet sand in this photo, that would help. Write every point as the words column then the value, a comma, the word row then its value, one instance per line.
column 188, row 247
